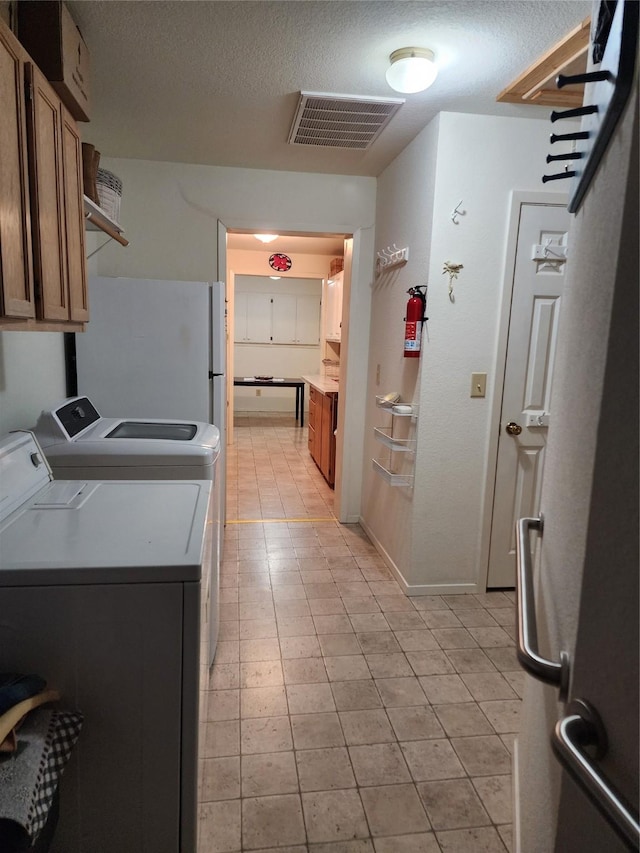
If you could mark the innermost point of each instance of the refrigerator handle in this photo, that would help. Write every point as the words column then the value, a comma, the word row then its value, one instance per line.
column 530, row 659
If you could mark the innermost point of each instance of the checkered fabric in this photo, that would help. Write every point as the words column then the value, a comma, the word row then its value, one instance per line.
column 29, row 777
column 64, row 729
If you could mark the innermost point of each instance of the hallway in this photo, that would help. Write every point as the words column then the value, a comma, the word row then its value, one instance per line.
column 344, row 717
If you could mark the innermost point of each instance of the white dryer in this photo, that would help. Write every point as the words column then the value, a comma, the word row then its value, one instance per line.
column 102, row 592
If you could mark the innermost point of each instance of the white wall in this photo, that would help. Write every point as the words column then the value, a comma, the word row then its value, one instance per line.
column 32, row 369
column 583, row 510
column 403, row 217
column 32, row 376
column 274, row 359
column 170, row 213
column 479, row 159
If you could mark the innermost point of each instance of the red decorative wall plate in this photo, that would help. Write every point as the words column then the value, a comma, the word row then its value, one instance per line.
column 280, row 262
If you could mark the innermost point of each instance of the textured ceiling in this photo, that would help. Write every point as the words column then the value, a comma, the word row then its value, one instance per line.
column 217, row 82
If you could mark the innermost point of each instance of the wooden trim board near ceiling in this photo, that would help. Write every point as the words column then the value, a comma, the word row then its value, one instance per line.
column 537, row 85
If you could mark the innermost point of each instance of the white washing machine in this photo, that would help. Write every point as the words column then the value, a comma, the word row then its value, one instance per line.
column 81, row 444
column 78, row 442
column 102, row 593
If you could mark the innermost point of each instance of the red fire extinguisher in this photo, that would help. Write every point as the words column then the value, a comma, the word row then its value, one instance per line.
column 416, row 308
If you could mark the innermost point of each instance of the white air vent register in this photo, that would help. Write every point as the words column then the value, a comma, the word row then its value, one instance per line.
column 341, row 121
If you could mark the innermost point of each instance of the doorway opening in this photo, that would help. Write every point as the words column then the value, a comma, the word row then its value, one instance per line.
column 283, row 322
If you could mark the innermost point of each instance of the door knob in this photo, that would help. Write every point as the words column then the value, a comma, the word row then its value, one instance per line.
column 513, row 428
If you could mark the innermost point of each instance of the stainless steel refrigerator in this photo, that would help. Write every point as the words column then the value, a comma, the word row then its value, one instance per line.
column 156, row 349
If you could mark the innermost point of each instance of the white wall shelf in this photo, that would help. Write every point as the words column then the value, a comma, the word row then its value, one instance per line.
column 95, row 219
column 395, row 444
column 403, row 445
column 391, row 478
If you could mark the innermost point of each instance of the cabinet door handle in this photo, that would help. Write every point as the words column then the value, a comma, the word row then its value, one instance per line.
column 530, row 659
column 582, row 727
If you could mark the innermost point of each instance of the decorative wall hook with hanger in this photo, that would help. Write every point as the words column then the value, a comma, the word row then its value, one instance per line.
column 457, row 211
column 391, row 257
column 452, row 270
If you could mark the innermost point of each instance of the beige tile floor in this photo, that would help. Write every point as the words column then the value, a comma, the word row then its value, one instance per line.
column 344, row 717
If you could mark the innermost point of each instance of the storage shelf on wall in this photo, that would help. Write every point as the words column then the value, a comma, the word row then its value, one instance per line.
column 385, row 437
column 390, row 477
column 96, row 219
column 394, row 444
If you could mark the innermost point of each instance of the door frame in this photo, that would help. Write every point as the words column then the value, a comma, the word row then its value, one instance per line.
column 518, row 198
column 353, row 359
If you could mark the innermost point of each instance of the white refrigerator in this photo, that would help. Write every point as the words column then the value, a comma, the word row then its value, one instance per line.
column 156, row 349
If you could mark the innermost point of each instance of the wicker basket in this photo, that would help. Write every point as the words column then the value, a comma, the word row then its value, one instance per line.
column 109, row 193
column 336, row 266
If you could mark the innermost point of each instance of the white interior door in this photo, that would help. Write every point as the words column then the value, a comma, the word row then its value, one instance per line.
column 525, row 416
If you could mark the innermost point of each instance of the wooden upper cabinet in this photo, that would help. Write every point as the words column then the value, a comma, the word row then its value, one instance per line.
column 57, row 215
column 74, row 218
column 16, row 278
column 43, row 283
column 44, row 130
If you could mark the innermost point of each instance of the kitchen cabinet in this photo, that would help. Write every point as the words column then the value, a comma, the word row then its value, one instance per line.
column 333, row 307
column 323, row 418
column 43, row 274
column 295, row 319
column 252, row 318
column 282, row 318
column 307, row 320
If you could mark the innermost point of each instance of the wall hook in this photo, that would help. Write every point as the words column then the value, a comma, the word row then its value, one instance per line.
column 457, row 212
column 452, row 270
column 391, row 257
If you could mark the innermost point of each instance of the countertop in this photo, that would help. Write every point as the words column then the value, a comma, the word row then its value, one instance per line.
column 323, row 383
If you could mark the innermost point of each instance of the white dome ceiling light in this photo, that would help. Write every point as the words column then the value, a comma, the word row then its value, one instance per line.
column 266, row 238
column 412, row 69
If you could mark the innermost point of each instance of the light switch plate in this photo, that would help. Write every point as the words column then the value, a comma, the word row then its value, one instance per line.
column 478, row 385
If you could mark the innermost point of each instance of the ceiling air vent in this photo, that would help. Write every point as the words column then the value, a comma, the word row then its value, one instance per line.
column 341, row 121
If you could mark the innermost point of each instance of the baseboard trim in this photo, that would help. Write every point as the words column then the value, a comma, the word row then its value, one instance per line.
column 416, row 589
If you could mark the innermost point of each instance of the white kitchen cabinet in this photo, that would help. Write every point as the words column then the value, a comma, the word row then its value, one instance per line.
column 307, row 327
column 333, row 307
column 252, row 318
column 282, row 318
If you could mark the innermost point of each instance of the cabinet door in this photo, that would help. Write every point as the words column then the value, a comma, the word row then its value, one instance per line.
column 333, row 314
column 337, row 308
column 307, row 320
column 240, row 317
column 44, row 128
column 16, row 278
column 258, row 318
column 74, row 218
column 284, row 318
column 327, row 454
column 314, row 424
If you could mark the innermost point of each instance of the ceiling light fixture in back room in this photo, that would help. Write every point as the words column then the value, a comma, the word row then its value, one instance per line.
column 266, row 238
column 412, row 70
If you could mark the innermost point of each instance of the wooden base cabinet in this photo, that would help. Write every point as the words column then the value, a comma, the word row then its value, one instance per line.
column 42, row 255
column 323, row 419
